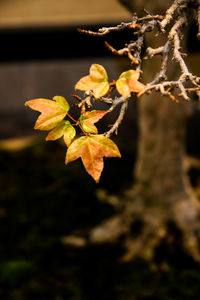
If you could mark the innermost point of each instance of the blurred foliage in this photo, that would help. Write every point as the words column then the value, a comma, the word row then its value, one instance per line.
column 42, row 200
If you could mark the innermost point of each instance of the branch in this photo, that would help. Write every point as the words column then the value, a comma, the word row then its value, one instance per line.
column 170, row 12
column 105, row 30
column 173, row 22
column 115, row 126
column 164, row 51
column 174, row 35
column 126, row 50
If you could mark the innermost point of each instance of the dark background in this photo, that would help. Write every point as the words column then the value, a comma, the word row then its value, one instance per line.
column 42, row 200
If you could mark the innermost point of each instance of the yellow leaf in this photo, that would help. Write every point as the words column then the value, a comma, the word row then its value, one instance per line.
column 96, row 81
column 128, row 82
column 89, row 118
column 92, row 149
column 52, row 111
column 98, row 73
column 63, row 129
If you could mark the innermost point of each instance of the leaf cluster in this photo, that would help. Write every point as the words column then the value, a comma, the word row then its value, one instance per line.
column 92, row 146
column 97, row 81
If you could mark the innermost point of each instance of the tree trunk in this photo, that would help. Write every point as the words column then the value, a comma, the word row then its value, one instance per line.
column 161, row 192
column 162, row 188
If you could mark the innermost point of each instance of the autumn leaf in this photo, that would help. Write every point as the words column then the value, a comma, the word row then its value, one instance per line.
column 128, row 82
column 92, row 149
column 52, row 111
column 96, row 81
column 88, row 119
column 63, row 129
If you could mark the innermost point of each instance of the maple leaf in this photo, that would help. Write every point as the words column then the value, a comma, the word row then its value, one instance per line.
column 96, row 81
column 128, row 82
column 63, row 129
column 52, row 111
column 88, row 119
column 92, row 149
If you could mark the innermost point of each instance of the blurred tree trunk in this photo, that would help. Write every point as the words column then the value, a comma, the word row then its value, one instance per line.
column 161, row 192
column 162, row 189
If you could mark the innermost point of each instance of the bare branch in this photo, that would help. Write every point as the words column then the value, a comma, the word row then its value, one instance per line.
column 176, row 18
column 115, row 126
column 177, row 4
column 127, row 50
column 105, row 30
column 164, row 51
column 152, row 52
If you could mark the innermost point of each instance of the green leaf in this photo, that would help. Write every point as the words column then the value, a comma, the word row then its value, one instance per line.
column 96, row 81
column 88, row 119
column 63, row 129
column 52, row 111
column 92, row 149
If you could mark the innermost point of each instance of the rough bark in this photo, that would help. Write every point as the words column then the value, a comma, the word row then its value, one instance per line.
column 161, row 192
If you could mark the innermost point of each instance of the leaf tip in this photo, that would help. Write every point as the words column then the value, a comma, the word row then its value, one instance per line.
column 96, row 180
column 66, row 159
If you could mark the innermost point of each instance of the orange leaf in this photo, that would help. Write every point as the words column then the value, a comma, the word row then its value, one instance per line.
column 89, row 118
column 52, row 111
column 128, row 82
column 92, row 149
column 96, row 81
column 65, row 129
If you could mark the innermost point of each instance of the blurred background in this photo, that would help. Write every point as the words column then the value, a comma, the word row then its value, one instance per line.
column 42, row 201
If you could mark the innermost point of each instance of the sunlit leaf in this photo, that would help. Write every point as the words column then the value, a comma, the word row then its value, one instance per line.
column 128, row 82
column 63, row 129
column 69, row 135
column 98, row 73
column 92, row 149
column 52, row 111
column 96, row 81
column 89, row 118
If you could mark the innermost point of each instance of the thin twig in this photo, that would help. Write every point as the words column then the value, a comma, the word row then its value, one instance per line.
column 164, row 51
column 176, row 18
column 105, row 30
column 115, row 126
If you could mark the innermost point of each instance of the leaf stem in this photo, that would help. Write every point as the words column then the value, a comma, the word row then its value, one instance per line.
column 82, row 130
column 112, row 82
column 71, row 118
column 76, row 123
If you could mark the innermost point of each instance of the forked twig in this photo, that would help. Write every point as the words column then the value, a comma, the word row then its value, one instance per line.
column 176, row 18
